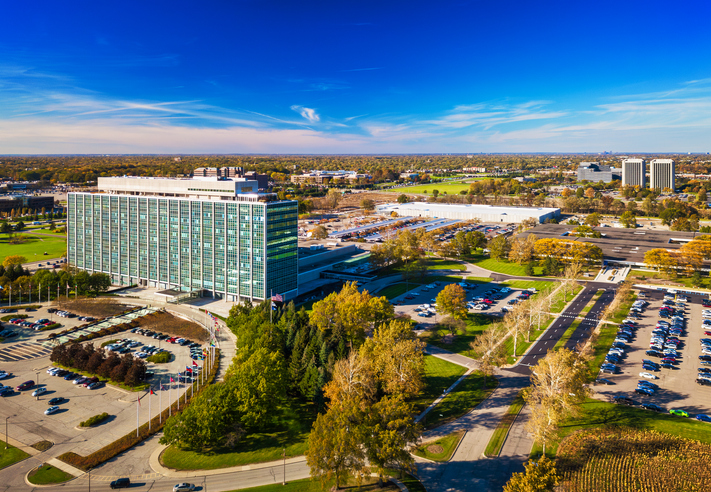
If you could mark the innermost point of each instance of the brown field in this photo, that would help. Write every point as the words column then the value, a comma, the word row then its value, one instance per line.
column 629, row 460
column 170, row 325
column 98, row 308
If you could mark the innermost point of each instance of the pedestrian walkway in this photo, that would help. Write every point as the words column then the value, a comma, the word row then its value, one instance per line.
column 65, row 467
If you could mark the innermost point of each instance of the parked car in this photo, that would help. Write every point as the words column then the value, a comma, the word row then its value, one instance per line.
column 678, row 412
column 25, row 386
column 39, row 391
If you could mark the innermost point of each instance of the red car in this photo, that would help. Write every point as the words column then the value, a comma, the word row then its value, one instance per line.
column 707, row 333
column 706, row 303
column 25, row 386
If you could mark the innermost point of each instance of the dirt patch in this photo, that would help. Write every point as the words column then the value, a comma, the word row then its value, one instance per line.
column 43, row 445
column 98, row 308
column 435, row 449
column 164, row 322
column 448, row 339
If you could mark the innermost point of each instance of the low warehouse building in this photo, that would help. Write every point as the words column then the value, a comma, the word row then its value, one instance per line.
column 485, row 213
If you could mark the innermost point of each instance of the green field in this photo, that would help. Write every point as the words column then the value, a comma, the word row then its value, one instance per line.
column 465, row 396
column 34, row 247
column 641, row 276
column 475, row 324
column 308, row 485
column 502, row 266
column 450, row 188
column 439, row 375
column 10, row 455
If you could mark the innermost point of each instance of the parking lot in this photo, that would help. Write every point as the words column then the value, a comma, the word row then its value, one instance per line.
column 29, row 424
column 411, row 302
column 677, row 387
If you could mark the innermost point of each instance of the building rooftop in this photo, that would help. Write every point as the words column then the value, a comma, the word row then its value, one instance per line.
column 433, row 208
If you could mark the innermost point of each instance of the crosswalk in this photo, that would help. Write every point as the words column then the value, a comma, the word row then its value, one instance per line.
column 24, row 351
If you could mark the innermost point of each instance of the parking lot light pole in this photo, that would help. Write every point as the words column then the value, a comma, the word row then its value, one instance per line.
column 6, row 436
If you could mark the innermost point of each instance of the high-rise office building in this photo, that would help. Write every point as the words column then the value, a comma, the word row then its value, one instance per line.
column 634, row 173
column 661, row 174
column 212, row 235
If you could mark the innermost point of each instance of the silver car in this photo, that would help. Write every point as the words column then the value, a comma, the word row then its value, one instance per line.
column 184, row 487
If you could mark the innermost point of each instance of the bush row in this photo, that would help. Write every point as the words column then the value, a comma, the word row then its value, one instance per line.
column 129, row 440
column 160, row 358
column 53, row 326
column 11, row 316
column 96, row 419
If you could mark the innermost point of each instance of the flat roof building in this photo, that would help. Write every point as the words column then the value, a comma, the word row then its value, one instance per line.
column 485, row 213
column 661, row 174
column 596, row 172
column 325, row 177
column 634, row 173
column 212, row 234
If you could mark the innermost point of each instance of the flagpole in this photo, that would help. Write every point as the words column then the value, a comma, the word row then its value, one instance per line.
column 150, row 392
column 160, row 403
column 170, row 401
column 30, row 293
column 138, row 402
column 178, row 392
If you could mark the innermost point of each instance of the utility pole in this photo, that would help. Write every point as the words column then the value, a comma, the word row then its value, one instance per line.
column 284, row 477
column 6, row 436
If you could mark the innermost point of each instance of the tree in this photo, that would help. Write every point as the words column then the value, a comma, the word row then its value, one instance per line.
column 353, row 380
column 257, row 382
column 489, row 349
column 6, row 227
column 571, row 274
column 593, row 219
column 540, row 476
column 522, row 249
column 332, row 199
column 99, row 282
column 367, row 205
column 20, row 226
column 13, row 260
column 305, row 206
column 499, row 248
column 590, row 193
column 319, row 232
column 396, row 356
column 335, row 447
column 628, row 220
column 452, row 300
column 558, row 386
column 403, row 198
column 390, row 432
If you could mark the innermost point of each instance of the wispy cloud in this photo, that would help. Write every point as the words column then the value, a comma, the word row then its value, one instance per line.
column 307, row 113
column 361, row 69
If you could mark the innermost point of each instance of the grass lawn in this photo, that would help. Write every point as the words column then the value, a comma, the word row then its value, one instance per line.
column 681, row 279
column 441, row 449
column 308, row 485
column 443, row 264
column 502, row 430
column 450, row 187
column 34, row 247
column 395, row 290
column 502, row 266
column 542, row 286
column 10, row 455
column 522, row 345
column 47, row 474
column 475, row 324
column 439, row 375
column 600, row 414
column 465, row 396
column 290, row 431
column 564, row 298
column 568, row 333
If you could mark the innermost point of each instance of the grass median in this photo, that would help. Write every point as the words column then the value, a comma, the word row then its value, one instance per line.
column 47, row 475
column 440, row 450
column 461, row 400
column 498, row 438
column 439, row 375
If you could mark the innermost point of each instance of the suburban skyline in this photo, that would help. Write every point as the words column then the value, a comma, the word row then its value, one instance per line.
column 354, row 78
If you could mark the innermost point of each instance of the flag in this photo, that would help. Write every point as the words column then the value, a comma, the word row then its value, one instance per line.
column 67, row 285
column 277, row 298
column 171, row 379
column 195, row 363
column 152, row 391
column 139, row 401
column 160, row 386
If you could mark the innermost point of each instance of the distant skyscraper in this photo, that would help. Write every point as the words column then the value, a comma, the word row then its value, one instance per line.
column 634, row 173
column 661, row 174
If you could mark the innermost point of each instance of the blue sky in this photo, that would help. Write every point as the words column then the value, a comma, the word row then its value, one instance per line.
column 355, row 77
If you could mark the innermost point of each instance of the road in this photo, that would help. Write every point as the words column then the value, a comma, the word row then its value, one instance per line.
column 556, row 330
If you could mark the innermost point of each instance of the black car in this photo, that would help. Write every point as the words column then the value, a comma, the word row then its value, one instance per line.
column 703, row 382
column 603, row 381
column 55, row 401
column 705, row 357
column 705, row 370
column 668, row 365
column 121, row 483
column 653, row 407
column 624, row 400
column 653, row 353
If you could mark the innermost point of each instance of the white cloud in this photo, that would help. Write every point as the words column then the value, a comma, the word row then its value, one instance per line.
column 308, row 113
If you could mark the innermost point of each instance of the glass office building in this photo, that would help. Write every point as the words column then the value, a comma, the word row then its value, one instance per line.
column 213, row 235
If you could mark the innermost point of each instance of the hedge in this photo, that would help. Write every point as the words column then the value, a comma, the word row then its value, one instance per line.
column 129, row 440
column 96, row 419
column 50, row 327
column 13, row 316
column 160, row 357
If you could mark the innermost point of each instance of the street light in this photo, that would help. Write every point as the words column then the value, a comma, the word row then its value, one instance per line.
column 6, row 436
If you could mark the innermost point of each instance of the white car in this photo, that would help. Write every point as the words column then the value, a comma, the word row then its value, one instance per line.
column 478, row 307
column 39, row 391
column 647, row 375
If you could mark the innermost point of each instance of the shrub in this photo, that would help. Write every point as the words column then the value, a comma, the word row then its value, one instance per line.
column 53, row 326
column 160, row 358
column 108, row 342
column 95, row 420
column 11, row 316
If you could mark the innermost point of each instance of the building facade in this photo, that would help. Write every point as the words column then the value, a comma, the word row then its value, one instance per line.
column 634, row 173
column 214, row 235
column 661, row 174
column 325, row 177
column 595, row 172
column 30, row 202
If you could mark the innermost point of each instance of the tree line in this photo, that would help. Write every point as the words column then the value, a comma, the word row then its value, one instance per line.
column 87, row 358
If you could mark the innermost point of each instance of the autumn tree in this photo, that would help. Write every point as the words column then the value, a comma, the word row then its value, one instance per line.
column 499, row 248
column 452, row 300
column 335, row 445
column 352, row 380
column 367, row 205
column 319, row 232
column 350, row 313
column 332, row 199
column 558, row 386
column 488, row 348
column 390, row 432
column 540, row 476
column 593, row 220
column 13, row 260
column 522, row 249
column 628, row 220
